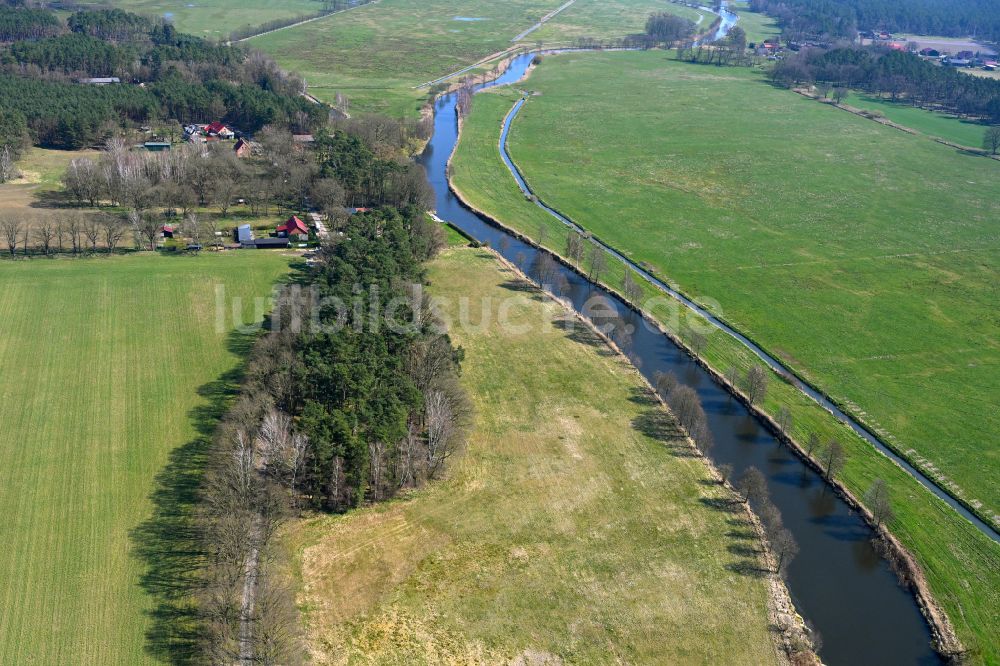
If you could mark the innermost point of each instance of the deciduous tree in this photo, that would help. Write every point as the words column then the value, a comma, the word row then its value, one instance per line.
column 633, row 292
column 752, row 484
column 991, row 139
column 755, row 384
column 833, row 459
column 784, row 419
column 11, row 229
column 597, row 260
column 785, row 548
column 114, row 231
column 878, row 502
column 45, row 233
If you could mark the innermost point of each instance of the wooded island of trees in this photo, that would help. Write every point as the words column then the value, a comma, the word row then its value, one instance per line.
column 352, row 411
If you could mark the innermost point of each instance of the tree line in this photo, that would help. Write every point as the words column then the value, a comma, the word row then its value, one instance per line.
column 667, row 28
column 804, row 19
column 329, row 7
column 185, row 79
column 895, row 73
column 326, row 419
column 341, row 169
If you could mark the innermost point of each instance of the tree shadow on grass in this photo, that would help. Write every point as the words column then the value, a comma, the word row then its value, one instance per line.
column 168, row 544
column 744, row 542
column 660, row 425
column 641, row 395
column 521, row 286
column 582, row 334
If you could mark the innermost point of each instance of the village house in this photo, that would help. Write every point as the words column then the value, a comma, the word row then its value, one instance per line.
column 216, row 130
column 293, row 228
column 243, row 148
column 220, row 130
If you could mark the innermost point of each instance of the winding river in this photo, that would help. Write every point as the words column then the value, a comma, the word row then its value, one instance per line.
column 838, row 582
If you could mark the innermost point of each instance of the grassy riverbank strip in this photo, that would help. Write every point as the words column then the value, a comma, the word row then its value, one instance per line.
column 577, row 524
column 961, row 565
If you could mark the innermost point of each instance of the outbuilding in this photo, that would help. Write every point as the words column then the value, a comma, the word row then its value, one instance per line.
column 244, row 234
column 267, row 243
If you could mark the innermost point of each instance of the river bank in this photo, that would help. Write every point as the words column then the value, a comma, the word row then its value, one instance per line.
column 845, row 412
column 796, row 638
column 943, row 633
column 910, row 573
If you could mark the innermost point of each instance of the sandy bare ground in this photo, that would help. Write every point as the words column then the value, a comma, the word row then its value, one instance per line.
column 947, row 44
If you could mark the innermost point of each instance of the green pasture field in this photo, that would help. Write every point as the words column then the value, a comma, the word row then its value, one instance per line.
column 962, row 565
column 113, row 377
column 570, row 526
column 866, row 258
column 608, row 19
column 756, row 25
column 377, row 55
column 218, row 18
column 932, row 123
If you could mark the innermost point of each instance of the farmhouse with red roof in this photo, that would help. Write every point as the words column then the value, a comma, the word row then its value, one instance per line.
column 293, row 227
column 220, row 130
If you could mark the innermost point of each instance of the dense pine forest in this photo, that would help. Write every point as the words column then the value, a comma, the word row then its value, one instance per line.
column 164, row 75
column 844, row 18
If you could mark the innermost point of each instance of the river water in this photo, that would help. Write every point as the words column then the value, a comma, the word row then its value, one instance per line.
column 838, row 582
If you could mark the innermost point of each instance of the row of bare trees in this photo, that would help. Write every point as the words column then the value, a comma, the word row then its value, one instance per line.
column 71, row 232
column 752, row 486
column 200, row 175
column 250, row 488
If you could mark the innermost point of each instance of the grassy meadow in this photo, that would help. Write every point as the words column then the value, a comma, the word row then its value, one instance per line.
column 377, row 55
column 218, row 18
column 962, row 565
column 32, row 195
column 113, row 375
column 562, row 531
column 931, row 123
column 608, row 19
column 863, row 256
column 757, row 26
